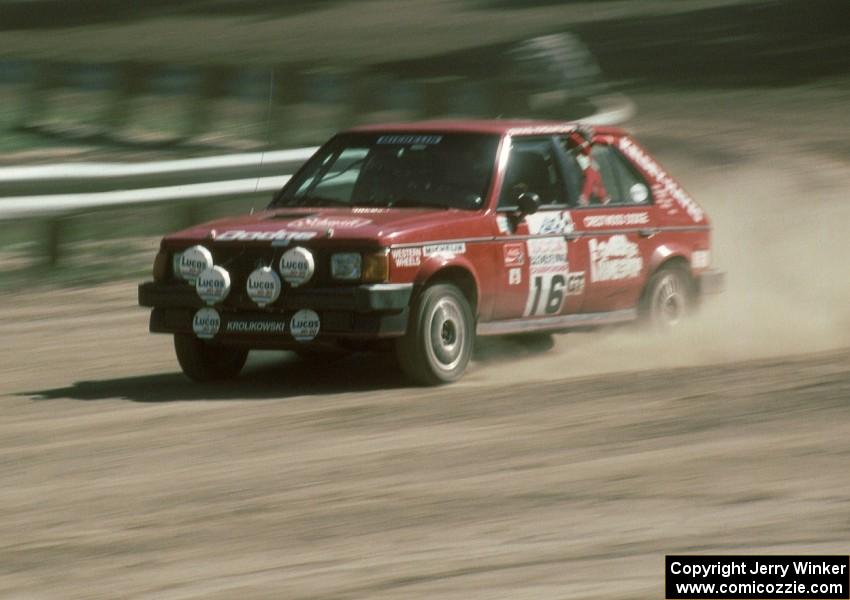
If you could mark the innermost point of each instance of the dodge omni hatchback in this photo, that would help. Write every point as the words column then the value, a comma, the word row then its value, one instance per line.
column 418, row 237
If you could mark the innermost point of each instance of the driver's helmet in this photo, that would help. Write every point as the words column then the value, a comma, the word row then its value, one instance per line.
column 580, row 139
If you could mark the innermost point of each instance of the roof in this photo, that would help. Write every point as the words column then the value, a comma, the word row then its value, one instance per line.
column 491, row 126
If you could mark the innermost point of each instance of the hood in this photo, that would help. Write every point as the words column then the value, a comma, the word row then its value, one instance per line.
column 382, row 226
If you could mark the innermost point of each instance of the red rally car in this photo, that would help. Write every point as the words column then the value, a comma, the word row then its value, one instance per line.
column 418, row 237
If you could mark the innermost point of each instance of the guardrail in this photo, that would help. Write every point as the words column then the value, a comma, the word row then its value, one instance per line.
column 28, row 192
column 101, row 186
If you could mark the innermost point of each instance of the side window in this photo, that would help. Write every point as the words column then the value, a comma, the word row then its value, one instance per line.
column 623, row 184
column 532, row 167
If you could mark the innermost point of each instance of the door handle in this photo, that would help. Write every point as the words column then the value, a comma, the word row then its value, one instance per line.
column 571, row 236
column 647, row 233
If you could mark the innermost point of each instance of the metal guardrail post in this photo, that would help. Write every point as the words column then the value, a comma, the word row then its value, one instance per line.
column 132, row 80
column 213, row 85
column 53, row 240
column 47, row 78
column 288, row 91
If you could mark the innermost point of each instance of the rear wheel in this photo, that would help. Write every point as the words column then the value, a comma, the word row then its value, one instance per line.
column 201, row 361
column 668, row 299
column 439, row 338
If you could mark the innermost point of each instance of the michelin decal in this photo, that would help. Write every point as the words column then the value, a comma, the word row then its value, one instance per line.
column 448, row 250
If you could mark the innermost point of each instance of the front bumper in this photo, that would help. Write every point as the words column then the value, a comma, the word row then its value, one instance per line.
column 360, row 312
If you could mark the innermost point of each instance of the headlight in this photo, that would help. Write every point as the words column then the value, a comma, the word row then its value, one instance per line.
column 192, row 262
column 376, row 267
column 346, row 266
column 296, row 266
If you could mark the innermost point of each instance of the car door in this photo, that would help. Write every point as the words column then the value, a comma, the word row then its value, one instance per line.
column 615, row 232
column 535, row 276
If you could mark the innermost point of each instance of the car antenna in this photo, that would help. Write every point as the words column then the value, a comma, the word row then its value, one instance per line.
column 268, row 132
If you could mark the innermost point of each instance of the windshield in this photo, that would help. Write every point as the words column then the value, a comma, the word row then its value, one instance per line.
column 396, row 170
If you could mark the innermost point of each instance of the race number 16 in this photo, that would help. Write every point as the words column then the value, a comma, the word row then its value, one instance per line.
column 547, row 295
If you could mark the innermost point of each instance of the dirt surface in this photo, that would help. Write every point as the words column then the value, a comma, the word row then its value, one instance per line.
column 563, row 475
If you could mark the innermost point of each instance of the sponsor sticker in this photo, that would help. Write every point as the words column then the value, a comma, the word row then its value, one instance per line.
column 213, row 285
column 192, row 262
column 407, row 257
column 616, row 220
column 206, row 323
column 263, row 286
column 428, row 140
column 700, row 259
column 670, row 187
column 280, row 237
column 502, row 224
column 614, row 259
column 575, row 283
column 548, row 271
column 550, row 222
column 448, row 250
column 305, row 325
column 255, row 326
column 514, row 254
column 541, row 129
column 514, row 276
column 297, row 266
column 330, row 223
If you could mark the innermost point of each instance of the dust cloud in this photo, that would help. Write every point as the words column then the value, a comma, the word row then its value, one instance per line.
column 781, row 232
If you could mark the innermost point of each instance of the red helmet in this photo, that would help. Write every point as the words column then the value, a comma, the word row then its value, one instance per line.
column 581, row 139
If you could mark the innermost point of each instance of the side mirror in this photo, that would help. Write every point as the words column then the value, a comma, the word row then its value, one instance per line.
column 528, row 203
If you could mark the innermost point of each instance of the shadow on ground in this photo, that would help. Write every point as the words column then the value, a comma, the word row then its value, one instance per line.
column 278, row 375
column 268, row 376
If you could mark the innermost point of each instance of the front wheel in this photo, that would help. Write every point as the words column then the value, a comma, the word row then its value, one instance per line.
column 668, row 299
column 439, row 339
column 202, row 362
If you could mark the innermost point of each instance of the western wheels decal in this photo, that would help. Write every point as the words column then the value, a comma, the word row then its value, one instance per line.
column 547, row 276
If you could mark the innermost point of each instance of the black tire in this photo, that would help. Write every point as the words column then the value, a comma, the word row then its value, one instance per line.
column 668, row 299
column 440, row 336
column 202, row 362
